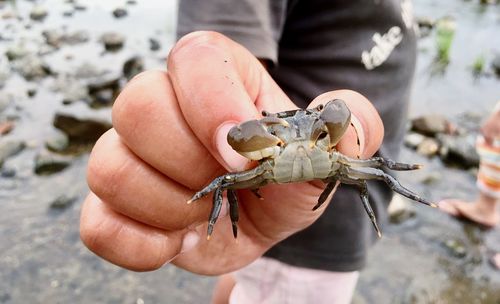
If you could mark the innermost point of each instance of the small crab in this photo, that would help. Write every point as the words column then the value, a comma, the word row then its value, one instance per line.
column 299, row 146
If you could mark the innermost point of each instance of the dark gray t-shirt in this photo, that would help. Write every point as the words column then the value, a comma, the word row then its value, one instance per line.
column 318, row 46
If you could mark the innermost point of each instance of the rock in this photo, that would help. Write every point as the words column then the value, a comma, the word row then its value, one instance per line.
column 58, row 142
column 154, row 45
column 455, row 248
column 120, row 12
column 8, row 172
column 75, row 91
column 108, row 81
column 81, row 124
column 495, row 64
column 412, row 140
column 79, row 7
column 31, row 92
column 38, row 13
column 32, row 67
column 431, row 178
column 63, row 202
column 459, row 150
column 9, row 148
column 400, row 210
column 16, row 51
column 57, row 38
column 47, row 163
column 113, row 41
column 132, row 67
column 103, row 98
column 88, row 70
column 431, row 125
column 4, row 70
column 428, row 147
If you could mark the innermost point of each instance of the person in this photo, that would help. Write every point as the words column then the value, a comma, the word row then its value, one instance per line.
column 169, row 140
column 483, row 209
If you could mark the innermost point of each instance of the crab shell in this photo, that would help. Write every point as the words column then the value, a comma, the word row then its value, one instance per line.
column 265, row 138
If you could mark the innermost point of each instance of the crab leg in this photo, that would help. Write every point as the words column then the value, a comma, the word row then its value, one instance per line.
column 371, row 173
column 232, row 198
column 324, row 195
column 364, row 199
column 228, row 179
column 214, row 214
column 377, row 162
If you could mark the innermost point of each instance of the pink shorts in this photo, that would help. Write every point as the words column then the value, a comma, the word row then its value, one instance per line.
column 267, row 281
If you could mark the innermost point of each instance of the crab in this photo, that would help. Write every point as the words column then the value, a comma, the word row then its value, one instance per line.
column 300, row 146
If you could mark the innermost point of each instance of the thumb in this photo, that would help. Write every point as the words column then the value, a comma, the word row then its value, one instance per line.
column 230, row 159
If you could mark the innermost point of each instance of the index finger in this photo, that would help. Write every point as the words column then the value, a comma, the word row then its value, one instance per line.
column 218, row 82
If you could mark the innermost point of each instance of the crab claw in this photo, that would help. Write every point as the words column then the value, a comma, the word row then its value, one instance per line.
column 337, row 117
column 252, row 140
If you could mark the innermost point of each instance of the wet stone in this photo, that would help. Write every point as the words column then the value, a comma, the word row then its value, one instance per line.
column 8, row 172
column 459, row 150
column 113, row 41
column 58, row 142
column 84, row 129
column 63, row 202
column 57, row 38
column 38, row 13
column 495, row 64
column 9, row 148
column 455, row 248
column 413, row 140
column 120, row 12
column 132, row 67
column 428, row 147
column 16, row 51
column 103, row 98
column 32, row 67
column 154, row 44
column 47, row 163
column 431, row 125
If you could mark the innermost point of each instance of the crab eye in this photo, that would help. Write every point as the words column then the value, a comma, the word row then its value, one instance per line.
column 337, row 117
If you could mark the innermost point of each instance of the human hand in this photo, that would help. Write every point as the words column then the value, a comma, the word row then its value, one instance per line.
column 169, row 141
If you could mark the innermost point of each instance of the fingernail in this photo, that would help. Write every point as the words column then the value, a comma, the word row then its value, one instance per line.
column 190, row 240
column 232, row 160
column 359, row 132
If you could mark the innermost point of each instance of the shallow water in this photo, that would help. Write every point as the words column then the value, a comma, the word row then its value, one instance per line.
column 42, row 259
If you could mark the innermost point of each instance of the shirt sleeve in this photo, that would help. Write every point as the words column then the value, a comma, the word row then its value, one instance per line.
column 256, row 24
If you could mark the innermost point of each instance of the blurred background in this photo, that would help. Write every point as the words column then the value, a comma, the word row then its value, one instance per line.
column 62, row 63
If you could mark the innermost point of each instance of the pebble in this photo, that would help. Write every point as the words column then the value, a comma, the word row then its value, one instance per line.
column 113, row 41
column 58, row 142
column 120, row 12
column 132, row 67
column 154, row 44
column 431, row 124
column 81, row 124
column 38, row 13
column 459, row 150
column 63, row 202
column 456, row 248
column 9, row 148
column 32, row 67
column 47, row 163
column 495, row 64
column 428, row 147
column 413, row 140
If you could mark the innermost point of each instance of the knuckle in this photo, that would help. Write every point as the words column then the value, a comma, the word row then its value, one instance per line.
column 193, row 42
column 135, row 101
column 103, row 174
